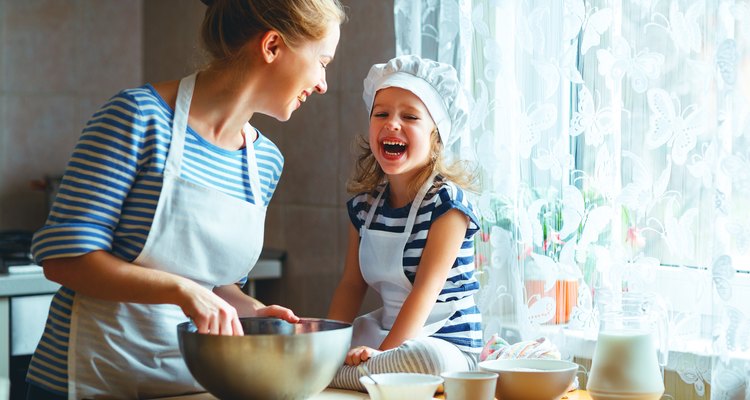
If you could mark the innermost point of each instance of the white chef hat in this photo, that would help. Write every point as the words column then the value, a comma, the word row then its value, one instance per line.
column 435, row 83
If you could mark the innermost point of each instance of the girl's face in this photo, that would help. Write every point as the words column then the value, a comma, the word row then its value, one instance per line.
column 400, row 131
column 300, row 72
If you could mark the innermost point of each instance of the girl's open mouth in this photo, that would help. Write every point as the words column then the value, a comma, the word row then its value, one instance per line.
column 393, row 149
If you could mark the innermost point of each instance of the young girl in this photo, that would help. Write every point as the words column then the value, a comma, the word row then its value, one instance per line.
column 412, row 229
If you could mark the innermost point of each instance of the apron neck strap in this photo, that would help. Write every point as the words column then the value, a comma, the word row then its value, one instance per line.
column 179, row 131
column 252, row 165
column 412, row 211
column 179, row 125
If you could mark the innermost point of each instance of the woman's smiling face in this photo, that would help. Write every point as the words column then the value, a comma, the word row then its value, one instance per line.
column 302, row 71
column 400, row 131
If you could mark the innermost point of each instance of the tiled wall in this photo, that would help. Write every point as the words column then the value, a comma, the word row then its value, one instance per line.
column 61, row 59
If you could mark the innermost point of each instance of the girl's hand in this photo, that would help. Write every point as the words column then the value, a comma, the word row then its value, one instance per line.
column 360, row 354
column 210, row 313
column 277, row 312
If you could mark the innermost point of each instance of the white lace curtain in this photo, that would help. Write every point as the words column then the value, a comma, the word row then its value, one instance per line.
column 613, row 138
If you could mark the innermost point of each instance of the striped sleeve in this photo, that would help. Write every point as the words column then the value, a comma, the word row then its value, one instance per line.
column 270, row 164
column 98, row 177
column 451, row 197
column 357, row 208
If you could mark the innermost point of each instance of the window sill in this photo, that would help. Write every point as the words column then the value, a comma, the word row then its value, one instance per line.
column 690, row 290
column 581, row 344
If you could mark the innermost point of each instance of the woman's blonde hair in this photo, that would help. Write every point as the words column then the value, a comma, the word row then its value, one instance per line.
column 229, row 24
column 368, row 174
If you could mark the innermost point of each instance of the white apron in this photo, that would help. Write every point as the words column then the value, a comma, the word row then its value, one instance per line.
column 381, row 256
column 126, row 350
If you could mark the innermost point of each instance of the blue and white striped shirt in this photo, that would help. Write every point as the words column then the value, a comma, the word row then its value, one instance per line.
column 464, row 328
column 108, row 197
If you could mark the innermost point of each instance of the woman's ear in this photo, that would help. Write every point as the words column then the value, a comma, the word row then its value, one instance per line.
column 270, row 45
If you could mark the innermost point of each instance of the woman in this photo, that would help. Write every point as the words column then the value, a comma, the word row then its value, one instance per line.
column 161, row 209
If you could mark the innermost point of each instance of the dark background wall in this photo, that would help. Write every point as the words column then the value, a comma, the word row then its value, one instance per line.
column 61, row 59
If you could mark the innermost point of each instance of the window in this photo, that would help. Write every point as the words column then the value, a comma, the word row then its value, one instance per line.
column 614, row 142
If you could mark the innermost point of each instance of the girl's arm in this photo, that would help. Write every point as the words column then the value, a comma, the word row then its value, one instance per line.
column 347, row 299
column 444, row 240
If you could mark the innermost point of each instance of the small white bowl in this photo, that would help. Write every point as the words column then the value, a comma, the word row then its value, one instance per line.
column 531, row 379
column 402, row 386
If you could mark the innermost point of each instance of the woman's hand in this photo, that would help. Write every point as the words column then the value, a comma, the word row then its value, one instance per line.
column 278, row 312
column 250, row 307
column 360, row 354
column 101, row 275
column 210, row 313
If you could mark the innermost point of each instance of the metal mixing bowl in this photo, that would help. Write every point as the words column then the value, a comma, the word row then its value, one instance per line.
column 274, row 360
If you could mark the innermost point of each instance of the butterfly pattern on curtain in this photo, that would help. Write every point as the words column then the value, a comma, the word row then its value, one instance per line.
column 613, row 139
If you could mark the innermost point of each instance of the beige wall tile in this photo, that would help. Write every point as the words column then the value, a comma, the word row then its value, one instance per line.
column 38, row 138
column 334, row 70
column 23, row 209
column 273, row 237
column 311, row 151
column 109, row 48
column 273, row 291
column 354, row 122
column 306, row 296
column 171, row 39
column 312, row 296
column 3, row 56
column 4, row 139
column 40, row 134
column 311, row 241
column 367, row 38
column 39, row 45
column 60, row 60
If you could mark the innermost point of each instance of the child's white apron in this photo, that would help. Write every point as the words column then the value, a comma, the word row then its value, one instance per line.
column 381, row 256
column 126, row 350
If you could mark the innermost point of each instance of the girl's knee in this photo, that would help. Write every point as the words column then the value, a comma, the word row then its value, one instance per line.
column 424, row 357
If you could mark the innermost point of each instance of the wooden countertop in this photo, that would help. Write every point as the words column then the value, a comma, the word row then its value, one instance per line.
column 336, row 394
column 25, row 280
column 576, row 395
column 328, row 394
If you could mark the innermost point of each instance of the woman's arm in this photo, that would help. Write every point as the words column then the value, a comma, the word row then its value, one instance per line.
column 247, row 306
column 444, row 241
column 347, row 299
column 104, row 276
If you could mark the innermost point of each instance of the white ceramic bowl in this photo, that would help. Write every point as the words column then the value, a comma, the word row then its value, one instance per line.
column 531, row 379
column 402, row 386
